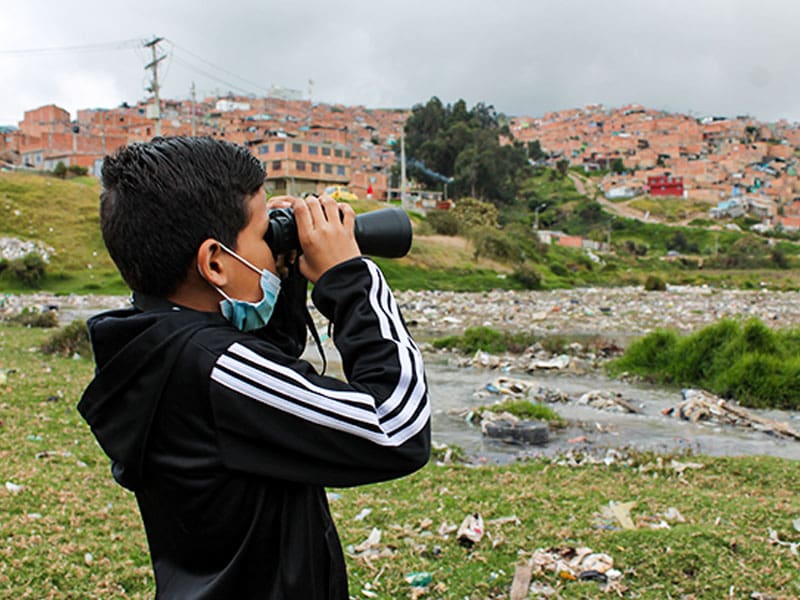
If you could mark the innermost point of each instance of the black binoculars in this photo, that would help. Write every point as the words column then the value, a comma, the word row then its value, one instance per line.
column 385, row 232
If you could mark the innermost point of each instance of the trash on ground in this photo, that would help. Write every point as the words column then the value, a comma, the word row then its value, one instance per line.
column 776, row 541
column 419, row 579
column 699, row 405
column 608, row 401
column 508, row 427
column 471, row 530
column 13, row 488
column 571, row 564
column 621, row 512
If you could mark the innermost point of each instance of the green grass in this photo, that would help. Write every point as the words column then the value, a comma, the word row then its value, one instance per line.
column 73, row 533
column 63, row 214
column 757, row 366
column 525, row 409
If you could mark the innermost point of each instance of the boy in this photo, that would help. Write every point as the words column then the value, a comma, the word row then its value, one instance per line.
column 199, row 398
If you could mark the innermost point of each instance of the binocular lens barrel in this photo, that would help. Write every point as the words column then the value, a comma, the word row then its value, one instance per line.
column 385, row 232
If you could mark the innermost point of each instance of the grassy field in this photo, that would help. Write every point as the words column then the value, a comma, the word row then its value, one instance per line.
column 71, row 532
column 62, row 214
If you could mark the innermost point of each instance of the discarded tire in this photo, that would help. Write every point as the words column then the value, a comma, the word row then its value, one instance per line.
column 524, row 432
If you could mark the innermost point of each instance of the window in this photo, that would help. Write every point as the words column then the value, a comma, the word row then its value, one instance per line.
column 280, row 147
column 340, row 169
column 276, row 165
column 329, row 169
column 326, row 151
column 301, row 165
column 315, row 167
column 297, row 148
column 263, row 149
column 313, row 150
column 337, row 153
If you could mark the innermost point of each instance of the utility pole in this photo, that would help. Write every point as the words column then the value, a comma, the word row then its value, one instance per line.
column 153, row 45
column 310, row 101
column 403, row 170
column 194, row 110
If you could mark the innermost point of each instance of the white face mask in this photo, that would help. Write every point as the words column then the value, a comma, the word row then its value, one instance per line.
column 249, row 316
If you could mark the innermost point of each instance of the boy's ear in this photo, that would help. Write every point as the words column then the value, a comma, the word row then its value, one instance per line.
column 211, row 264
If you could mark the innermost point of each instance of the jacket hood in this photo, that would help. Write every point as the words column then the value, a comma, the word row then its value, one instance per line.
column 134, row 351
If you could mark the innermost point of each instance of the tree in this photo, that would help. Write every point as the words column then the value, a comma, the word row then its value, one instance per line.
column 60, row 170
column 562, row 166
column 617, row 165
column 471, row 213
column 453, row 142
column 535, row 151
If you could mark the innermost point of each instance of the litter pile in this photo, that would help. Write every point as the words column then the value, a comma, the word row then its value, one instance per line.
column 701, row 406
column 569, row 564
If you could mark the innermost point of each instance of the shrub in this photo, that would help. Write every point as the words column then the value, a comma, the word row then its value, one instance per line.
column 443, row 222
column 528, row 277
column 560, row 270
column 494, row 244
column 29, row 269
column 525, row 409
column 651, row 355
column 60, row 170
column 487, row 340
column 654, row 283
column 77, row 170
column 70, row 340
column 31, row 317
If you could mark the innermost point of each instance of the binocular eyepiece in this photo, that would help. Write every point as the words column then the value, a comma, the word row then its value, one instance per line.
column 385, row 233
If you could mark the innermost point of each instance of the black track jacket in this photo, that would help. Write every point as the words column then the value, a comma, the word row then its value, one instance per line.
column 227, row 439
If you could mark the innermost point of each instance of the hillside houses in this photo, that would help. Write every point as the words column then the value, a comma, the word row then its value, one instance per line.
column 307, row 146
column 713, row 157
column 320, row 144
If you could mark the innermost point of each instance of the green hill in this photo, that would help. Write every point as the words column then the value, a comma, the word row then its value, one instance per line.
column 63, row 215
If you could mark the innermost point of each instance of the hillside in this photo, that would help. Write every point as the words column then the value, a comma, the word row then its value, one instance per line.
column 63, row 215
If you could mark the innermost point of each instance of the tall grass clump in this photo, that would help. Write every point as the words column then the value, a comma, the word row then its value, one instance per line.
column 757, row 366
column 69, row 341
column 486, row 339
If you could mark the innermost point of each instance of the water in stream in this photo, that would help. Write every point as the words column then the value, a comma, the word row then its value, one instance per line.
column 454, row 389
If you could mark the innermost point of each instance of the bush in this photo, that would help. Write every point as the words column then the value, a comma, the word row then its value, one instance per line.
column 527, row 410
column 70, row 340
column 29, row 269
column 559, row 270
column 487, row 340
column 755, row 365
column 654, row 283
column 60, row 170
column 77, row 170
column 528, row 277
column 494, row 244
column 31, row 317
column 443, row 222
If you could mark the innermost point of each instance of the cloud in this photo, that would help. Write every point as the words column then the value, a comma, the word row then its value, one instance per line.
column 523, row 57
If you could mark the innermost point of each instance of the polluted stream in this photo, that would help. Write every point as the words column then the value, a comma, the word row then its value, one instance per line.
column 455, row 390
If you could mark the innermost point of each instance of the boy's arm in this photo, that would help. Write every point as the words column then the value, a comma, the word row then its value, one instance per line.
column 278, row 418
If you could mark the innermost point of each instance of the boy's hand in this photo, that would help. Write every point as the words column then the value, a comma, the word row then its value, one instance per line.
column 326, row 238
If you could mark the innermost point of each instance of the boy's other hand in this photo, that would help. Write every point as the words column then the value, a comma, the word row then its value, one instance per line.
column 326, row 237
column 280, row 202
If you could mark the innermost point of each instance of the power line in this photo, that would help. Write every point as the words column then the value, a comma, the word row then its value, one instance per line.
column 231, row 86
column 102, row 47
column 217, row 67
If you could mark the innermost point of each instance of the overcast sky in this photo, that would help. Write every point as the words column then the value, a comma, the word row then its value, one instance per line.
column 526, row 57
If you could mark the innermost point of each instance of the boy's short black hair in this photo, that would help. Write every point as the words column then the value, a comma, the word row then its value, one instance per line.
column 163, row 198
